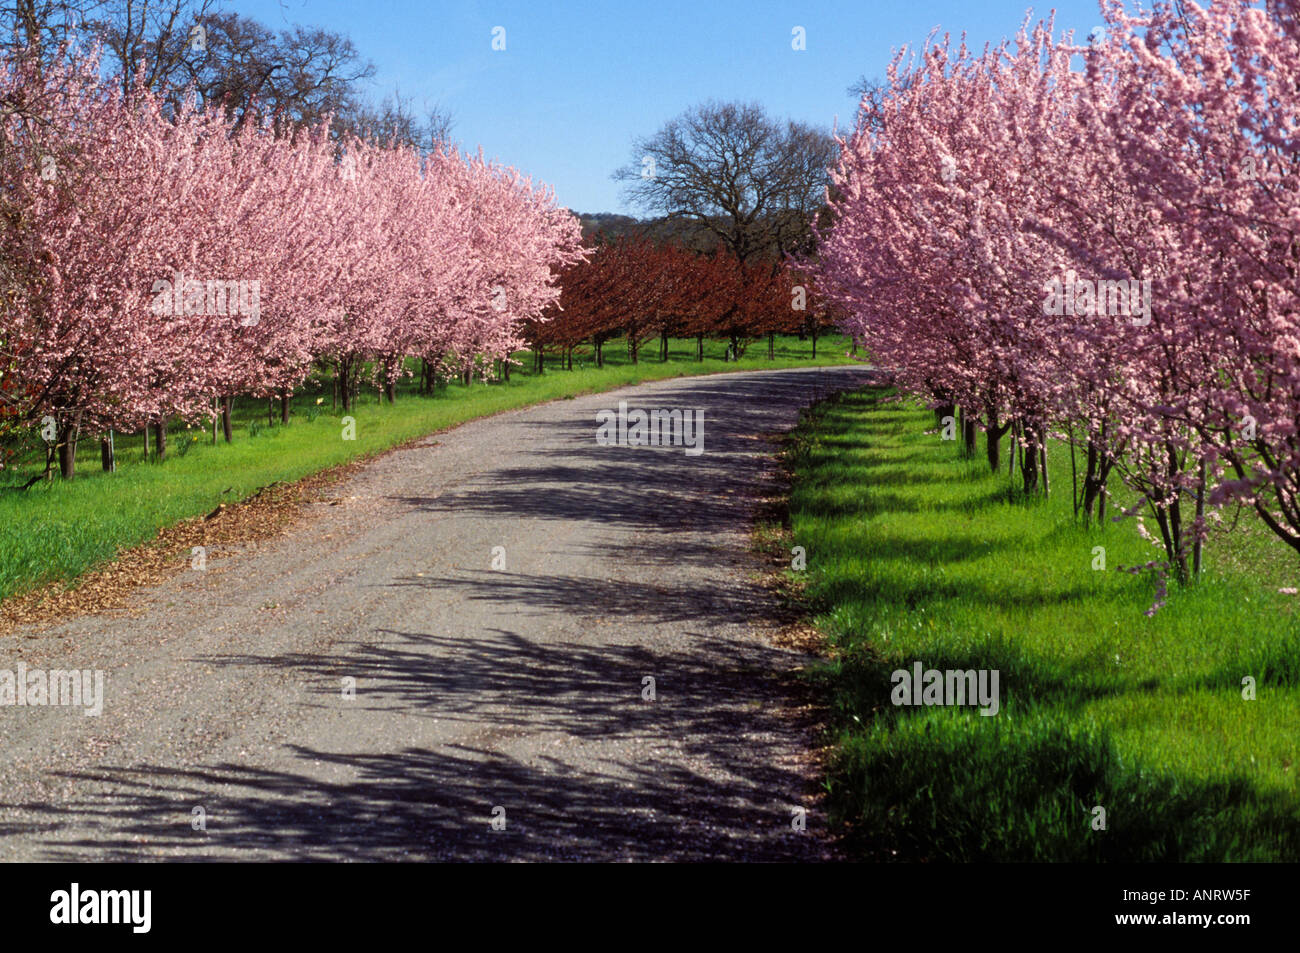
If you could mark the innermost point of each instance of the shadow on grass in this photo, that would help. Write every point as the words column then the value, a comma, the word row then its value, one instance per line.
column 945, row 783
column 938, row 787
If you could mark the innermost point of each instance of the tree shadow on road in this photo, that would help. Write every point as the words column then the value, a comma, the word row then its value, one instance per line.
column 723, row 792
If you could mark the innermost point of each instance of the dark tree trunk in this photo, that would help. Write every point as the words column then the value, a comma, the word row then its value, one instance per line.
column 968, row 433
column 993, row 440
column 699, row 347
column 1200, row 515
column 771, row 345
column 663, row 345
column 227, row 423
column 1042, row 460
column 67, row 441
column 1029, row 462
column 68, row 457
column 344, row 383
column 284, row 407
column 160, row 439
column 1179, row 552
column 1094, row 483
column 106, row 458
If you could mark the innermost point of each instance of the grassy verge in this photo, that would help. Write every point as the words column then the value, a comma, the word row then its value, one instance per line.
column 58, row 530
column 915, row 554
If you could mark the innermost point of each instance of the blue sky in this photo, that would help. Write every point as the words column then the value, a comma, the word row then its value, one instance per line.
column 578, row 81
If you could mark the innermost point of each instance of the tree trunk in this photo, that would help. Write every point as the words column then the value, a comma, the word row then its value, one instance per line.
column 663, row 345
column 1094, row 483
column 68, row 453
column 344, row 384
column 106, row 458
column 227, row 423
column 600, row 353
column 284, row 407
column 1074, row 473
column 968, row 433
column 1200, row 515
column 699, row 347
column 993, row 440
column 160, row 439
column 1029, row 462
column 771, row 345
column 1042, row 460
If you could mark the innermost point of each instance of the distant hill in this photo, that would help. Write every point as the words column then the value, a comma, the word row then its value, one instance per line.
column 610, row 223
column 614, row 225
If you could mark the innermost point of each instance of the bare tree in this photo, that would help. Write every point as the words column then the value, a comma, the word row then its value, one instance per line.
column 752, row 182
column 44, row 29
column 149, row 41
column 395, row 121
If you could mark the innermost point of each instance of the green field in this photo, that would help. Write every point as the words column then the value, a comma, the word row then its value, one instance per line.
column 917, row 554
column 57, row 530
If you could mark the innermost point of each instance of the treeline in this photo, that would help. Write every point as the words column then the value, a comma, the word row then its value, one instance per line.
column 640, row 290
column 160, row 258
column 1098, row 241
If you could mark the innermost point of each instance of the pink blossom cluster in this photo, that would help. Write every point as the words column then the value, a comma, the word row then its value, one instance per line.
column 1152, row 175
column 158, row 259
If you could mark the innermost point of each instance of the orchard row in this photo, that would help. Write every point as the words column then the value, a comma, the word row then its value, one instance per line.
column 1096, row 240
column 159, row 261
column 640, row 290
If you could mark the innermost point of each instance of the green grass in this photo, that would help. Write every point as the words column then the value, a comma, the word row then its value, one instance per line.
column 915, row 553
column 59, row 530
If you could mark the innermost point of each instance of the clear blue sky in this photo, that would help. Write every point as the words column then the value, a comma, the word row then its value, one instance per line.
column 579, row 80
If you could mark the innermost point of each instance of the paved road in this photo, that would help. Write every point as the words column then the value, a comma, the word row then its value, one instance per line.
column 476, row 688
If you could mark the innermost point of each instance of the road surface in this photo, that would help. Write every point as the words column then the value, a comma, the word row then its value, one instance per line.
column 512, row 693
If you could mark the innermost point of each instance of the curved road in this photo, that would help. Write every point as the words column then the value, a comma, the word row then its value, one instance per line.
column 475, row 688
